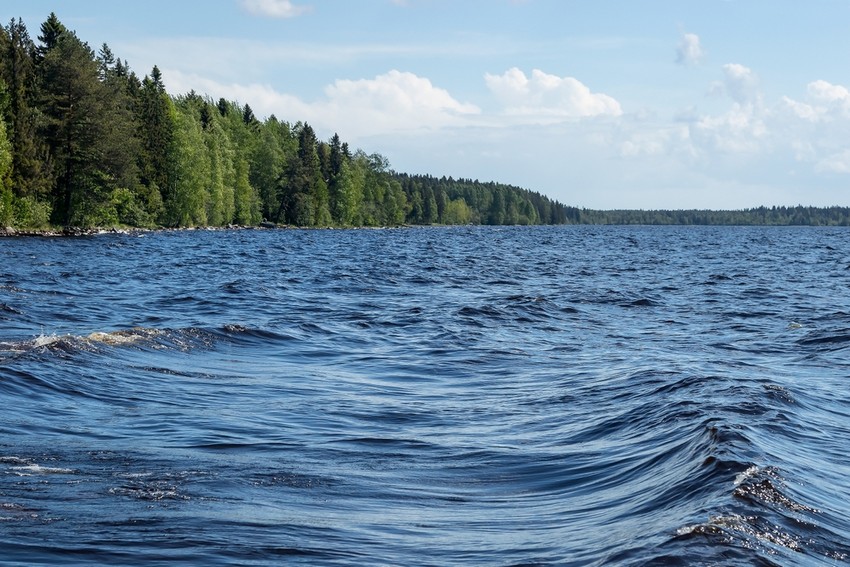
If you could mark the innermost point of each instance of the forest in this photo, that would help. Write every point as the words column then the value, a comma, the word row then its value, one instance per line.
column 84, row 142
column 759, row 216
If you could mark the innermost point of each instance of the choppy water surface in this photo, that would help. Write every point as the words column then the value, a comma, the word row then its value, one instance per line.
column 469, row 396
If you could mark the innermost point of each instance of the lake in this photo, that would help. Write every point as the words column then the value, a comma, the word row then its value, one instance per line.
column 571, row 395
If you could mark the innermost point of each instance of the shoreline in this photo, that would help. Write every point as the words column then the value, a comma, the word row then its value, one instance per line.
column 11, row 232
column 71, row 231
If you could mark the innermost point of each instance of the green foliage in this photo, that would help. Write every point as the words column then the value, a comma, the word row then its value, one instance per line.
column 30, row 212
column 18, row 56
column 770, row 216
column 220, row 203
column 156, row 121
column 302, row 192
column 7, row 216
column 348, row 192
column 463, row 201
column 457, row 212
column 5, row 147
column 267, row 162
column 186, row 205
column 7, row 211
column 72, row 102
column 246, row 201
column 128, row 211
column 51, row 30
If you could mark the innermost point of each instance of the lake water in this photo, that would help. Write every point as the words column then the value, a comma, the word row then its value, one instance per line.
column 434, row 396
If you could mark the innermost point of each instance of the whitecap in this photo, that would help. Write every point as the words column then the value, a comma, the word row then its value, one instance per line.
column 45, row 340
column 29, row 470
column 745, row 475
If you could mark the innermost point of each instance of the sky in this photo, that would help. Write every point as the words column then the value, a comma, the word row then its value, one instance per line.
column 604, row 104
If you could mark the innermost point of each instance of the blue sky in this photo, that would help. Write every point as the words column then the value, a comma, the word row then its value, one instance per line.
column 599, row 104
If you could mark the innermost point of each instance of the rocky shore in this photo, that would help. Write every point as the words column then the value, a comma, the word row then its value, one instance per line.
column 78, row 231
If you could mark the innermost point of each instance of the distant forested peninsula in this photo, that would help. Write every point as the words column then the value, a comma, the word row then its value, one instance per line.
column 84, row 142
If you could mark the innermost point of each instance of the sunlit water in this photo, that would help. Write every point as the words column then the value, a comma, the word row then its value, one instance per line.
column 466, row 396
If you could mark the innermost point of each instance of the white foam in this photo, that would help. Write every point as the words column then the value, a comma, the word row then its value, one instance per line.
column 28, row 470
column 124, row 337
column 13, row 460
column 45, row 340
column 747, row 474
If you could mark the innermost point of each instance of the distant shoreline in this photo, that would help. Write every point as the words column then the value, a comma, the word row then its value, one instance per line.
column 66, row 232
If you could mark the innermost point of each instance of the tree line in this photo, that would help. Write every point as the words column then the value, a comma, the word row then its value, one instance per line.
column 85, row 142
column 760, row 216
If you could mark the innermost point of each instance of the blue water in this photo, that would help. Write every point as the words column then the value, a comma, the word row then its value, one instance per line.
column 434, row 396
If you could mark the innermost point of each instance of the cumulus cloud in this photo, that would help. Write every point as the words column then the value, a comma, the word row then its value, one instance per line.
column 816, row 127
column 546, row 97
column 827, row 92
column 825, row 102
column 799, row 109
column 396, row 101
column 741, row 83
column 740, row 130
column 390, row 103
column 689, row 51
column 398, row 91
column 275, row 8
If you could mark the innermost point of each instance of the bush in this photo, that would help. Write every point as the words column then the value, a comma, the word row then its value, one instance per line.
column 30, row 213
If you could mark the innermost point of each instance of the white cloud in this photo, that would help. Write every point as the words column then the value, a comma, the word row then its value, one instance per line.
column 827, row 92
column 836, row 163
column 816, row 127
column 397, row 91
column 390, row 103
column 689, row 52
column 740, row 130
column 275, row 8
column 799, row 109
column 656, row 140
column 826, row 102
column 741, row 83
column 395, row 101
column 544, row 97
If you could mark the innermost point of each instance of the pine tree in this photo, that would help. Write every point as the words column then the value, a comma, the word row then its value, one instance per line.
column 119, row 142
column 51, row 30
column 303, row 193
column 156, row 120
column 72, row 102
column 30, row 175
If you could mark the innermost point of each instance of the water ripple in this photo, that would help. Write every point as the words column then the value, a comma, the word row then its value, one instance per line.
column 463, row 396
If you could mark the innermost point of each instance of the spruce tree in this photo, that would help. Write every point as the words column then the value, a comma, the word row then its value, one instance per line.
column 72, row 101
column 30, row 176
column 156, row 121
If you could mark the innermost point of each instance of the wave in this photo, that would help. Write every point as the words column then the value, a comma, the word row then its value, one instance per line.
column 70, row 343
column 404, row 397
column 145, row 337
